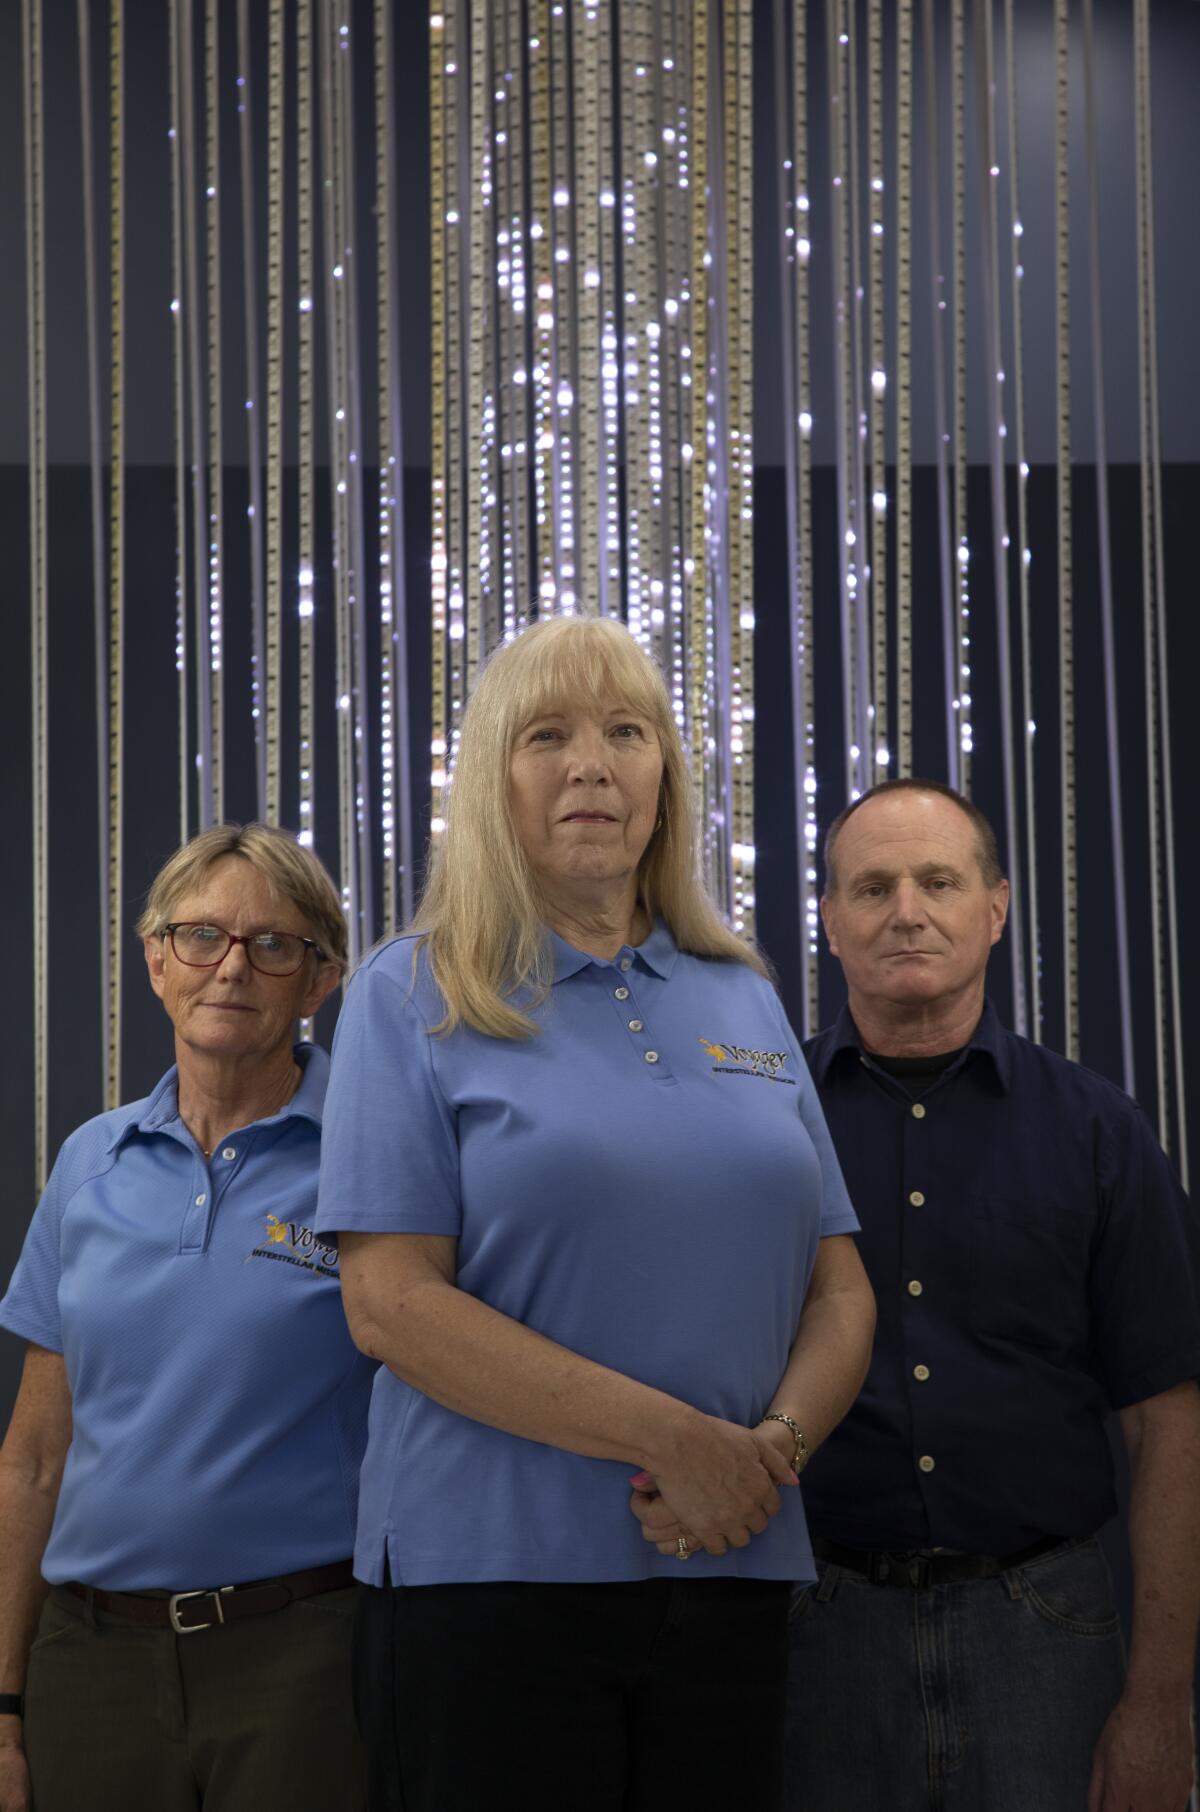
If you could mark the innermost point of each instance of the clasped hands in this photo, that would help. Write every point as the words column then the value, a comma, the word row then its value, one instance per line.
column 719, row 1490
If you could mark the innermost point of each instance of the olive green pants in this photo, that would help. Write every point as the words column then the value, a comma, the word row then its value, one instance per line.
column 255, row 1716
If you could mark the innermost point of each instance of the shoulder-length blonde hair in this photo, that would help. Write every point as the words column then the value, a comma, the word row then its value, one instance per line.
column 481, row 915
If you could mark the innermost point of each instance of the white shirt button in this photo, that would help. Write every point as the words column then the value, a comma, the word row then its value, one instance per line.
column 920, row 1373
column 651, row 1056
column 915, row 1287
column 620, row 993
column 229, row 1154
column 926, row 1462
column 917, row 1199
column 201, row 1199
column 918, row 1112
column 635, row 1025
column 627, row 962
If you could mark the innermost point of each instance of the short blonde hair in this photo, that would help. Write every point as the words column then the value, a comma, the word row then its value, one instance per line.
column 293, row 871
column 482, row 916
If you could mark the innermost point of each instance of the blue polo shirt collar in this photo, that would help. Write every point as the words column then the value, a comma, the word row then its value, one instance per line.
column 657, row 953
column 989, row 1037
column 161, row 1110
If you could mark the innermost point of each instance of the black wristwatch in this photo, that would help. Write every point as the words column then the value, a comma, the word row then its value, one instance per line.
column 12, row 1705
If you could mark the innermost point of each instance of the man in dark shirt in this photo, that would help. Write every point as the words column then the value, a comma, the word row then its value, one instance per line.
column 1035, row 1265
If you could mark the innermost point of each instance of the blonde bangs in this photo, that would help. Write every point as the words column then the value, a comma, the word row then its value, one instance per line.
column 573, row 661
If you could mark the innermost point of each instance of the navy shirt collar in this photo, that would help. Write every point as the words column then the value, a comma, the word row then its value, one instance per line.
column 657, row 953
column 161, row 1109
column 989, row 1037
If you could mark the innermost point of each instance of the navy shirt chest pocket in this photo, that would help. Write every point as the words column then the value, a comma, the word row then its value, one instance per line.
column 1028, row 1277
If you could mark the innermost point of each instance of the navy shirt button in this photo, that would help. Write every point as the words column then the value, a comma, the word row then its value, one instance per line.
column 229, row 1153
column 620, row 993
column 201, row 1199
column 926, row 1462
column 626, row 962
column 917, row 1199
column 915, row 1287
column 635, row 1025
column 918, row 1112
column 651, row 1056
column 920, row 1373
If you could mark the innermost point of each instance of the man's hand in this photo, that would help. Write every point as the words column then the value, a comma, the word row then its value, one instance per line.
column 1144, row 1757
column 14, row 1776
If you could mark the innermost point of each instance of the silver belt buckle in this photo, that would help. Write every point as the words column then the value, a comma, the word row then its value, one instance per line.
column 192, row 1629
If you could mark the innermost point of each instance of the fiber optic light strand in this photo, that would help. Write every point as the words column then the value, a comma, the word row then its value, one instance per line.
column 116, row 541
column 903, row 763
column 989, row 173
column 1112, row 733
column 835, row 40
column 1066, row 656
column 268, row 632
column 947, row 564
column 35, row 285
column 96, row 499
column 439, row 727
column 259, row 663
column 876, row 518
column 195, row 369
column 396, row 786
column 1160, row 786
column 1017, row 273
column 215, row 590
column 305, row 408
column 958, row 292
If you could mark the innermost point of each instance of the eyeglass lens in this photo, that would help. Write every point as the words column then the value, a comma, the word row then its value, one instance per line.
column 270, row 952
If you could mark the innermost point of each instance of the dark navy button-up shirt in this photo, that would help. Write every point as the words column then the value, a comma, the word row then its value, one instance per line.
column 1035, row 1264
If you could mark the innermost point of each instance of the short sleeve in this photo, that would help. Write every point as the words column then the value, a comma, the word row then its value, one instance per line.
column 837, row 1211
column 1145, row 1277
column 389, row 1146
column 30, row 1305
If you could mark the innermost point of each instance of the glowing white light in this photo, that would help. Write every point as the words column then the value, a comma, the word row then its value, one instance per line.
column 879, row 382
column 879, row 502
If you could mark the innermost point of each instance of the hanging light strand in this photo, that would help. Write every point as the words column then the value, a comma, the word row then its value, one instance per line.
column 989, row 177
column 1029, row 728
column 268, row 616
column 877, row 516
column 1158, row 728
column 96, row 500
column 216, row 463
column 1112, row 732
column 947, row 561
column 903, row 760
column 958, row 299
column 259, row 665
column 305, row 411
column 1066, row 653
column 35, row 283
column 116, row 541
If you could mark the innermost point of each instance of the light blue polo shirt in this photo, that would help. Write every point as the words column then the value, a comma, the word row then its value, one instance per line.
column 644, row 1181
column 219, row 1405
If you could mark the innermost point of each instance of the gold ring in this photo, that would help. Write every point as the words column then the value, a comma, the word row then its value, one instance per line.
column 682, row 1551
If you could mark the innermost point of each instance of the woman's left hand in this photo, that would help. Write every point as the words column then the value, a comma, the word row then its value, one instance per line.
column 661, row 1526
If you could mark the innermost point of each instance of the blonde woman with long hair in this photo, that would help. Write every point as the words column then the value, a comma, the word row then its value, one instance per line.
column 592, row 1225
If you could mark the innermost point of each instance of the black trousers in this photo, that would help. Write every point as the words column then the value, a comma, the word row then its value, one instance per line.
column 649, row 1696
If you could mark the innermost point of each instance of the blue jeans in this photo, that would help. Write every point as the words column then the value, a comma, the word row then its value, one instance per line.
column 983, row 1697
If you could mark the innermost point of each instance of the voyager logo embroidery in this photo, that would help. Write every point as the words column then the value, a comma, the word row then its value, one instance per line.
column 306, row 1249
column 744, row 1062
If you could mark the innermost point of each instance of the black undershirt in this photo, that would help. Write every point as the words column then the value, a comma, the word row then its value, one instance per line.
column 916, row 1074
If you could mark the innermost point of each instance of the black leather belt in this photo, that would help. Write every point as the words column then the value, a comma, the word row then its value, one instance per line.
column 901, row 1567
column 182, row 1612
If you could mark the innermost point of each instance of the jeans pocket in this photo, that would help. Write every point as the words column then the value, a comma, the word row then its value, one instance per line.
column 801, row 1599
column 1073, row 1591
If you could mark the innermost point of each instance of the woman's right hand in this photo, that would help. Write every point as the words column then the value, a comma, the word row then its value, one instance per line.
column 721, row 1481
column 14, row 1777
